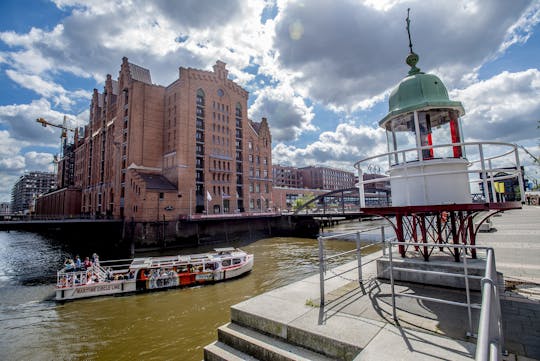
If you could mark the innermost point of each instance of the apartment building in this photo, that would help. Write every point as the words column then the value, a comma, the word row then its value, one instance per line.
column 28, row 188
column 326, row 178
column 286, row 176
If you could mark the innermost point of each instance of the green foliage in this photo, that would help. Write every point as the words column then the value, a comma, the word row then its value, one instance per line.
column 300, row 201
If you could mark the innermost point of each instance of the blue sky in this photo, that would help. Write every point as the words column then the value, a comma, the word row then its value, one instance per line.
column 320, row 71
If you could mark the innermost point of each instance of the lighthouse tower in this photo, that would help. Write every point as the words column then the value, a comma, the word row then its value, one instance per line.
column 420, row 124
column 431, row 176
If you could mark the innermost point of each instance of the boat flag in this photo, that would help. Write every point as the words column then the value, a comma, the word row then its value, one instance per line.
column 208, row 196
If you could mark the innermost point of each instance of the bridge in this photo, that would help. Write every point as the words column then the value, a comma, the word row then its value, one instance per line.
column 342, row 203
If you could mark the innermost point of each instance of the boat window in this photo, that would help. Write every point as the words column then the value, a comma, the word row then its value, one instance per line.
column 237, row 261
column 226, row 262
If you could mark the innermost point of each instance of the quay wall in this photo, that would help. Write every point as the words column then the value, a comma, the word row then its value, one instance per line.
column 132, row 235
column 183, row 233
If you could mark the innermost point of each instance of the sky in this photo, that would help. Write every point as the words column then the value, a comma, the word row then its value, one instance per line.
column 319, row 71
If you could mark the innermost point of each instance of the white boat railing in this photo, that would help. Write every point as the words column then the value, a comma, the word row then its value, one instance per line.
column 488, row 169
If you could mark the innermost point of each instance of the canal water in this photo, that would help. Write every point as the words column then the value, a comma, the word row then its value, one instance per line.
column 168, row 325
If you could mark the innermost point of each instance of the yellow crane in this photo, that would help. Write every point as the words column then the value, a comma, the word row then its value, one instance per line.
column 63, row 126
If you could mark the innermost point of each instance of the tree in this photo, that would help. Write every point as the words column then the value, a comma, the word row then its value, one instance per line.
column 301, row 201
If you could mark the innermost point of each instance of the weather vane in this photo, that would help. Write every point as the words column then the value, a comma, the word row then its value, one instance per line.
column 412, row 59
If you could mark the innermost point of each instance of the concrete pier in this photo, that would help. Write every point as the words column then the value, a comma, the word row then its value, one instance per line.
column 289, row 324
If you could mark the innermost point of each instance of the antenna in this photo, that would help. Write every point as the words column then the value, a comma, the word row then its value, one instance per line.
column 412, row 58
column 408, row 21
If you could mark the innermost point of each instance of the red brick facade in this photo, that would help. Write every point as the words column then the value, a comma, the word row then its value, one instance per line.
column 151, row 152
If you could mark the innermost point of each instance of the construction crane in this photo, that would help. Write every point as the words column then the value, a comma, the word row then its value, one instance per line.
column 63, row 126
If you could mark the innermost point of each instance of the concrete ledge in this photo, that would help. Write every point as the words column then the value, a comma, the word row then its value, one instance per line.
column 475, row 267
column 218, row 351
column 264, row 347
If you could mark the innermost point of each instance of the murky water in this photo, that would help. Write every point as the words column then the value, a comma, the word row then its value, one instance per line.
column 168, row 325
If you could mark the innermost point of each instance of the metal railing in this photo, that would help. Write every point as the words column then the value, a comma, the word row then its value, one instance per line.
column 490, row 338
column 485, row 169
column 490, row 345
column 323, row 259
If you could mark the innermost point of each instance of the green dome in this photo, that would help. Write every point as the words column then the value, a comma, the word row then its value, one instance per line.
column 419, row 91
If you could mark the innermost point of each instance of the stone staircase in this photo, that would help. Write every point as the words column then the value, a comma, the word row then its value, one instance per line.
column 252, row 337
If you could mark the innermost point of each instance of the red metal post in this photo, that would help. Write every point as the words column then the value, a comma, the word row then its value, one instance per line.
column 400, row 234
column 455, row 237
column 424, row 236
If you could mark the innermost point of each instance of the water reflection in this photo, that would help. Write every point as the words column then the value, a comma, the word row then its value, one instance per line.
column 171, row 324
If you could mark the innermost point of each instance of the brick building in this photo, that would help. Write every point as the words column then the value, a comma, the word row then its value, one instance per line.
column 326, row 178
column 152, row 152
column 284, row 176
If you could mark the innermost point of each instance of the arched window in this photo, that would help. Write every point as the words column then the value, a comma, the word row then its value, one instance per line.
column 238, row 110
column 200, row 97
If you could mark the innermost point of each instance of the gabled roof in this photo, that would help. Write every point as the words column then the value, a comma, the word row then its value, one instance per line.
column 256, row 126
column 115, row 87
column 156, row 182
column 140, row 74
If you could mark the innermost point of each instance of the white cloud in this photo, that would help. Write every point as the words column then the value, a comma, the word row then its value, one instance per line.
column 503, row 108
column 340, row 148
column 287, row 113
column 350, row 52
column 48, row 89
column 13, row 163
column 20, row 121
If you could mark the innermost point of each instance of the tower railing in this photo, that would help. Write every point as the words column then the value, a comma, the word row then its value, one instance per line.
column 489, row 165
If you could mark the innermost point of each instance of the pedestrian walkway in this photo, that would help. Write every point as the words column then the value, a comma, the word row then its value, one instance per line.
column 356, row 324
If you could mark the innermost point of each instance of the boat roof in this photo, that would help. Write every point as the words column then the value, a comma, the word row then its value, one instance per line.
column 171, row 261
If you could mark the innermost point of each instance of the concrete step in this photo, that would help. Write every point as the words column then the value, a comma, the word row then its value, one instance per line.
column 264, row 347
column 218, row 351
column 291, row 323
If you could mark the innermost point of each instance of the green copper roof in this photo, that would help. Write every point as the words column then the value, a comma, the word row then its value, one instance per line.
column 419, row 91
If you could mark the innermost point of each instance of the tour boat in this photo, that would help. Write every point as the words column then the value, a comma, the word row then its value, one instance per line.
column 152, row 273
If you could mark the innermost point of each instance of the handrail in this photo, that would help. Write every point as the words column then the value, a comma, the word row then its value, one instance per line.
column 323, row 260
column 490, row 339
column 490, row 332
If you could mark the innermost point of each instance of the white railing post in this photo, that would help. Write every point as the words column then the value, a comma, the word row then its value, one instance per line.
column 383, row 239
column 391, row 270
column 359, row 257
column 484, row 174
column 467, row 290
column 321, row 270
column 361, row 188
column 520, row 176
column 492, row 180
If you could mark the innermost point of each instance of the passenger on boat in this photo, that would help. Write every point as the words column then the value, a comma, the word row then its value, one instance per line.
column 87, row 263
column 78, row 264
column 69, row 265
column 143, row 275
column 110, row 275
column 95, row 259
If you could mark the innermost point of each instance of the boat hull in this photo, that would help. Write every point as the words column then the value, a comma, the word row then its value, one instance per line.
column 163, row 281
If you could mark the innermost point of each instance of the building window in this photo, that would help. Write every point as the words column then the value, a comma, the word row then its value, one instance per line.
column 200, row 97
column 238, row 110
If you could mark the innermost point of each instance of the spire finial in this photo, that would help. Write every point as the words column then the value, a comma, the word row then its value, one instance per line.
column 412, row 58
